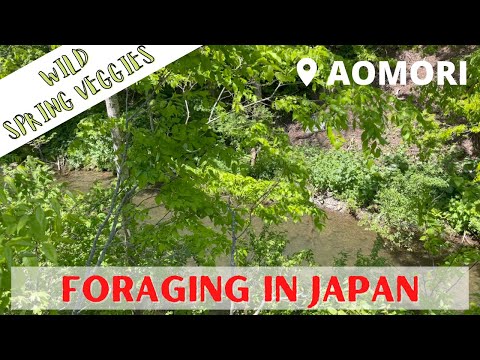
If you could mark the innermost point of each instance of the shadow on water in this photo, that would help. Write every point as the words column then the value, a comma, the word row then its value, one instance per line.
column 341, row 233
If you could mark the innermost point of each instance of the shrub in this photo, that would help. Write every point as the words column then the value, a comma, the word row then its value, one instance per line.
column 33, row 209
column 92, row 148
column 407, row 199
column 268, row 249
column 348, row 175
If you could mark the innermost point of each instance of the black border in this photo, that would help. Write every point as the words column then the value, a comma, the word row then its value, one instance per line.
column 399, row 25
column 282, row 328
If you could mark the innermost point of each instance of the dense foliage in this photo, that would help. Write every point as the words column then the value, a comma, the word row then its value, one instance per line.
column 203, row 142
column 407, row 199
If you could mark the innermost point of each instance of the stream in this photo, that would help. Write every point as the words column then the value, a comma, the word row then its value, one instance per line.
column 341, row 232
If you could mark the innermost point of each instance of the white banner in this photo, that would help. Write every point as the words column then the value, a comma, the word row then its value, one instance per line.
column 69, row 80
column 246, row 288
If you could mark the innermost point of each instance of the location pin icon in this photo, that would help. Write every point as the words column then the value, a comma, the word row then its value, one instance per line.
column 307, row 75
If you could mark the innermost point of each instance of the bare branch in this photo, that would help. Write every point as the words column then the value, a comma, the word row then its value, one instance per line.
column 234, row 235
column 215, row 105
column 114, row 229
column 105, row 222
column 260, row 308
column 164, row 216
column 146, row 199
column 254, row 206
column 188, row 112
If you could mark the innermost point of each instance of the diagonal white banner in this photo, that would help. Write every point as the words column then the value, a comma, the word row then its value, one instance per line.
column 69, row 80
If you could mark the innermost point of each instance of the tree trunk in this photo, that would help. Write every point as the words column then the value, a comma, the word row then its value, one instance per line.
column 254, row 151
column 113, row 111
column 475, row 137
column 254, row 154
column 258, row 90
column 233, row 248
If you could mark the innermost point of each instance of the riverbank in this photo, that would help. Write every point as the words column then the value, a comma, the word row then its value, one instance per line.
column 329, row 202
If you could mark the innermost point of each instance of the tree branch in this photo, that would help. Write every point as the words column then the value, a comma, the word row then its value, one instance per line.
column 120, row 181
column 215, row 105
column 105, row 222
column 210, row 120
column 114, row 229
column 188, row 112
column 254, row 206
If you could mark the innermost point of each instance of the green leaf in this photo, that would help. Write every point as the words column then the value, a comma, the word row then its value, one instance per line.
column 370, row 163
column 49, row 251
column 55, row 206
column 7, row 251
column 23, row 241
column 29, row 261
column 40, row 216
column 3, row 197
column 275, row 56
column 269, row 73
column 22, row 222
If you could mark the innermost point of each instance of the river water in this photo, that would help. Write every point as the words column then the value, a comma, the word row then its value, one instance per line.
column 341, row 233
